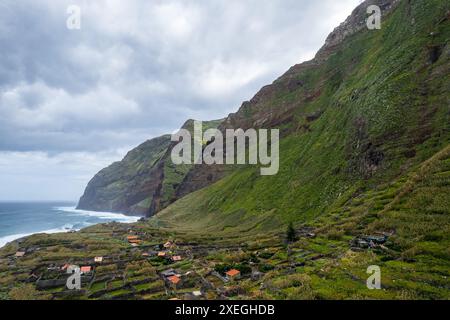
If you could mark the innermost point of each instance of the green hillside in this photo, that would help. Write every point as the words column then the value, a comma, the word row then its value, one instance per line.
column 381, row 109
column 364, row 180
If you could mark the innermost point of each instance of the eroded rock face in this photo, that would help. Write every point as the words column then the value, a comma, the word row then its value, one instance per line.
column 145, row 181
column 354, row 23
column 265, row 110
column 262, row 112
column 128, row 186
column 200, row 177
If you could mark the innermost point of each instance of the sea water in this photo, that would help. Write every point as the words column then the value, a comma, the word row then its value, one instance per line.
column 20, row 219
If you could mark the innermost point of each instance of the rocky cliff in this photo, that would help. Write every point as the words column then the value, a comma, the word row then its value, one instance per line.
column 143, row 183
column 369, row 101
column 371, row 107
column 364, row 181
column 269, row 109
column 128, row 186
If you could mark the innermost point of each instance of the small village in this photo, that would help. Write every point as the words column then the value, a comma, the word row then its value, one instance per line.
column 140, row 269
column 141, row 262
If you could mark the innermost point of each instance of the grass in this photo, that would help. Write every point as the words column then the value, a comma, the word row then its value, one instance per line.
column 372, row 105
column 374, row 158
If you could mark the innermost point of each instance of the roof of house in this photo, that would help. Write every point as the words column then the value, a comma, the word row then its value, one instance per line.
column 233, row 273
column 161, row 254
column 85, row 269
column 98, row 259
column 197, row 293
column 64, row 267
column 132, row 237
column 168, row 244
column 134, row 241
column 177, row 258
column 174, row 279
column 168, row 273
column 20, row 253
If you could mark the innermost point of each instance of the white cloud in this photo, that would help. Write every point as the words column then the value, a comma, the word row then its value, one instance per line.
column 220, row 78
column 59, row 109
column 36, row 176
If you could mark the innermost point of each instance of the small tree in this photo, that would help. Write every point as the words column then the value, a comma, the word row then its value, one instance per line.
column 291, row 235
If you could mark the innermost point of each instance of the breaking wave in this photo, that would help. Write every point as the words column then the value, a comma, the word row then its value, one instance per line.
column 90, row 218
column 7, row 239
column 111, row 216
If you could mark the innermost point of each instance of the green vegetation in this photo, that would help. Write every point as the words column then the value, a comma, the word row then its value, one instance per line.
column 364, row 180
column 291, row 235
column 27, row 292
column 383, row 111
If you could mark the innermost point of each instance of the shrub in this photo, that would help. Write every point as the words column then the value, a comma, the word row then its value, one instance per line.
column 222, row 268
column 266, row 255
column 291, row 235
column 243, row 268
column 266, row 268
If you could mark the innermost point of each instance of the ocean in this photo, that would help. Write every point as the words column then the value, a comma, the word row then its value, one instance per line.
column 20, row 219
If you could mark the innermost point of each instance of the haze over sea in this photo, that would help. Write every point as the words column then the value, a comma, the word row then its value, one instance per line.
column 20, row 219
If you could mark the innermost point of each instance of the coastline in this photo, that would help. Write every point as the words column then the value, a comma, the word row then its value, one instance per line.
column 72, row 211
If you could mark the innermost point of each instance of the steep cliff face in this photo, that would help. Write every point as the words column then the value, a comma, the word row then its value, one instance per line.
column 144, row 182
column 371, row 107
column 128, row 186
column 277, row 105
column 270, row 106
column 364, row 155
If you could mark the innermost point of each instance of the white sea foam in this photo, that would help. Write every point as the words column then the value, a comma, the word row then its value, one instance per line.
column 100, row 215
column 5, row 240
column 70, row 227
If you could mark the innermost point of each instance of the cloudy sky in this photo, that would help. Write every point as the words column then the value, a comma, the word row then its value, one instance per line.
column 73, row 101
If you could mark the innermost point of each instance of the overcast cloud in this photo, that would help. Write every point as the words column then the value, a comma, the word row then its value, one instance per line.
column 73, row 101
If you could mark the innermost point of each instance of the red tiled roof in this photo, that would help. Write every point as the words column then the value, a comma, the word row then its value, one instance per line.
column 64, row 267
column 174, row 279
column 233, row 273
column 85, row 269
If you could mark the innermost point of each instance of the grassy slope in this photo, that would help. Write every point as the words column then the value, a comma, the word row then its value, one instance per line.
column 378, row 89
column 416, row 260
